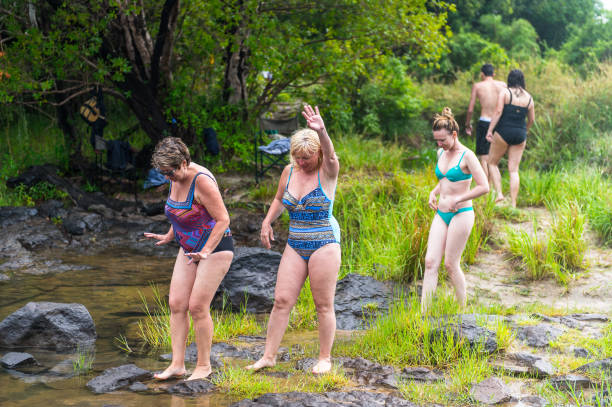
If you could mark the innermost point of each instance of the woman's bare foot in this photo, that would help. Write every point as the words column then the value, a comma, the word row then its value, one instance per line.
column 261, row 364
column 200, row 372
column 322, row 366
column 170, row 372
column 500, row 198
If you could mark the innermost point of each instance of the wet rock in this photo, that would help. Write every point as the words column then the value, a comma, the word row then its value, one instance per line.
column 534, row 401
column 217, row 351
column 421, row 374
column 604, row 365
column 538, row 336
column 570, row 382
column 154, row 208
column 138, row 387
column 491, row 391
column 52, row 209
column 580, row 352
column 14, row 360
column 475, row 336
column 536, row 365
column 191, row 387
column 40, row 234
column 591, row 317
column 10, row 215
column 48, row 325
column 330, row 399
column 94, row 222
column 4, row 277
column 358, row 298
column 116, row 378
column 74, row 224
column 252, row 276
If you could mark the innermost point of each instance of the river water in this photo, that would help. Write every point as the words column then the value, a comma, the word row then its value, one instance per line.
column 110, row 291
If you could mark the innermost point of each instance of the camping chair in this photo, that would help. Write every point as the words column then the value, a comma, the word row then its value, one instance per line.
column 273, row 155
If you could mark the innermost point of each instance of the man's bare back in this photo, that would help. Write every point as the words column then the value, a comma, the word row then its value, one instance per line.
column 487, row 92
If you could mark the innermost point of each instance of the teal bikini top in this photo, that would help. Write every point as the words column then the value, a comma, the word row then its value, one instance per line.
column 455, row 173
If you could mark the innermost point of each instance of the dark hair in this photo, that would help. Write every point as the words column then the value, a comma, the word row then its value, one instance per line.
column 487, row 70
column 170, row 152
column 446, row 120
column 516, row 79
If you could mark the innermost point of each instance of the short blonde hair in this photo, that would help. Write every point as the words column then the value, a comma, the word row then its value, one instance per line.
column 305, row 141
column 170, row 152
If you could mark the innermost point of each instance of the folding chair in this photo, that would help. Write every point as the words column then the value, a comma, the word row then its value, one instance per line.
column 274, row 154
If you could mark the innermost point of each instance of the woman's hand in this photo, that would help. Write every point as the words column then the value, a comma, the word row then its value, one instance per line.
column 452, row 204
column 161, row 239
column 433, row 201
column 196, row 256
column 267, row 234
column 313, row 118
column 489, row 136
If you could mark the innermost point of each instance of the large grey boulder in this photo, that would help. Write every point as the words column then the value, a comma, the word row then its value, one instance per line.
column 252, row 276
column 10, row 215
column 358, row 298
column 14, row 360
column 48, row 325
column 116, row 378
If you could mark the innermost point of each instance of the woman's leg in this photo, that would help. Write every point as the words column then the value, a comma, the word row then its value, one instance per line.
column 292, row 272
column 433, row 257
column 209, row 275
column 181, row 284
column 496, row 152
column 456, row 239
column 323, row 268
column 514, row 159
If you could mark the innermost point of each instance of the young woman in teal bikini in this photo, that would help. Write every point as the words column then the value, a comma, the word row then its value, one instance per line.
column 452, row 201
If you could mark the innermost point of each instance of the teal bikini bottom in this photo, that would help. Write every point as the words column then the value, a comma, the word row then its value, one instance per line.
column 448, row 216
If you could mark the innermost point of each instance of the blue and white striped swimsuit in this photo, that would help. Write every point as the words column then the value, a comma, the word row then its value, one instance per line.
column 312, row 224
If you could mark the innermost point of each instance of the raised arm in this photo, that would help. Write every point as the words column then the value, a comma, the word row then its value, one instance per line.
column 276, row 208
column 470, row 112
column 314, row 120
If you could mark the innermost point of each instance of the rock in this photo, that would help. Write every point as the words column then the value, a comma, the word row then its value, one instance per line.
column 491, row 391
column 101, row 210
column 580, row 352
column 252, row 276
column 14, row 360
column 570, row 382
column 116, row 378
column 52, row 209
column 218, row 350
column 10, row 215
column 4, row 277
column 536, row 365
column 590, row 317
column 155, row 208
column 421, row 374
column 305, row 364
column 191, row 387
column 94, row 222
column 138, row 386
column 538, row 336
column 74, row 224
column 534, row 401
column 48, row 325
column 40, row 235
column 330, row 399
column 358, row 298
column 370, row 373
column 474, row 335
column 604, row 365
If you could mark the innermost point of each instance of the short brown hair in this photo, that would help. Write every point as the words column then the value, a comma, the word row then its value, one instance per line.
column 170, row 152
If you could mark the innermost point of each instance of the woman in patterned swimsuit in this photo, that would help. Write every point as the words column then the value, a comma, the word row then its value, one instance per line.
column 306, row 189
column 200, row 225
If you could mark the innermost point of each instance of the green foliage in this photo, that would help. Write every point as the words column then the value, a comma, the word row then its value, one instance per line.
column 81, row 364
column 519, row 38
column 304, row 314
column 589, row 44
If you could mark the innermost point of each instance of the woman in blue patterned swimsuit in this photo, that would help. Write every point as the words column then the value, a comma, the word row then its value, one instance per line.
column 454, row 218
column 306, row 188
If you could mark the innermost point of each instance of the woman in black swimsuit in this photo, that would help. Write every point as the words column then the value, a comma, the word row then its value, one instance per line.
column 513, row 105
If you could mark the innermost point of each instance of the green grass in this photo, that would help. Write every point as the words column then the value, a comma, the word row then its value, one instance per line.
column 83, row 361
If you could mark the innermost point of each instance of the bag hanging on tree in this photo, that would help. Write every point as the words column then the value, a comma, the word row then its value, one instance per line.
column 90, row 112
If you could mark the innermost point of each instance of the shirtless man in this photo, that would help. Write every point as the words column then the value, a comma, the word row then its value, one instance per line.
column 487, row 91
